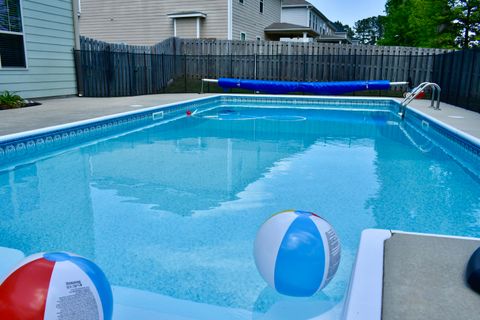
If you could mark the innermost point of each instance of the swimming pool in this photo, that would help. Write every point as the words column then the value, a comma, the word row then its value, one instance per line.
column 170, row 204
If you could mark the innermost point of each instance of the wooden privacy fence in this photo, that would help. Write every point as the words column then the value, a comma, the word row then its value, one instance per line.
column 458, row 74
column 167, row 46
column 112, row 74
column 310, row 67
column 121, row 71
column 237, row 47
column 180, row 46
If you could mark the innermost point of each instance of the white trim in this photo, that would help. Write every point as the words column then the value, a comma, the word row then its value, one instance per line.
column 295, row 6
column 229, row 20
column 174, row 27
column 281, row 13
column 364, row 298
column 79, row 9
column 198, row 27
column 24, row 41
column 12, row 32
column 24, row 35
column 188, row 15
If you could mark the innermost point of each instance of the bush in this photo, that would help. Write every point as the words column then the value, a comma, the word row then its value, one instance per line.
column 10, row 100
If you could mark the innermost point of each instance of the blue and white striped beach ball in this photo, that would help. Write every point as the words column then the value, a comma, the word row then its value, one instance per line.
column 56, row 285
column 297, row 252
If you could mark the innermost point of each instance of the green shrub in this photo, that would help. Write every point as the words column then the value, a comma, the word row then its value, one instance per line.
column 11, row 100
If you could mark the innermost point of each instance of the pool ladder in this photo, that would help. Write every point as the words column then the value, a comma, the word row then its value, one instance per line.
column 416, row 91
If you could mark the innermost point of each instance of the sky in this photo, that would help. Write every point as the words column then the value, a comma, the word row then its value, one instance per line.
column 349, row 11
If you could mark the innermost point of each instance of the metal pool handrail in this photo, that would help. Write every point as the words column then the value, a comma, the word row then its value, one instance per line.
column 415, row 92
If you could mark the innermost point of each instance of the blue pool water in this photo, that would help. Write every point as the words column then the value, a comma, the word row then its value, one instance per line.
column 174, row 208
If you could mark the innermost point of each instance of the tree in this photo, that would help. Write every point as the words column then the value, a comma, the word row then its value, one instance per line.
column 396, row 23
column 344, row 28
column 369, row 30
column 419, row 23
column 467, row 19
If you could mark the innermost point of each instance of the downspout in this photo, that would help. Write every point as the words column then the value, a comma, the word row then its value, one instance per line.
column 76, row 46
column 229, row 20
column 76, row 27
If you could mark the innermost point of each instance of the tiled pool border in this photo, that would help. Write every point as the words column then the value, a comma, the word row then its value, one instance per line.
column 468, row 142
column 20, row 144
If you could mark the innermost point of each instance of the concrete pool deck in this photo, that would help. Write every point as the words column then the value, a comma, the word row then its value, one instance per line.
column 424, row 278
column 64, row 110
column 459, row 118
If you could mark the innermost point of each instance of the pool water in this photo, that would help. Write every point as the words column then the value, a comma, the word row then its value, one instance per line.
column 174, row 209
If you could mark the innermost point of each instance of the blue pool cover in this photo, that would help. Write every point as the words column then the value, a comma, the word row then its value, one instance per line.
column 337, row 87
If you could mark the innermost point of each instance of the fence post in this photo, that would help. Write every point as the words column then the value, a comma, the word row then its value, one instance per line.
column 381, row 72
column 77, row 56
column 255, row 66
column 409, row 68
column 145, row 90
column 130, row 74
column 231, row 65
column 460, row 72
column 432, row 75
column 474, row 58
column 279, row 74
column 163, row 82
column 304, row 67
column 354, row 66
column 185, row 70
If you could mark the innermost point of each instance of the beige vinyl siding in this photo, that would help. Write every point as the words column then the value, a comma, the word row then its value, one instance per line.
column 145, row 22
column 247, row 17
column 187, row 28
column 295, row 16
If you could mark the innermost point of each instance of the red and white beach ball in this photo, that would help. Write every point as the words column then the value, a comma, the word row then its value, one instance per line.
column 56, row 285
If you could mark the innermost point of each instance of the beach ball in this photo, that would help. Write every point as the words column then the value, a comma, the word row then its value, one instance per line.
column 56, row 285
column 297, row 252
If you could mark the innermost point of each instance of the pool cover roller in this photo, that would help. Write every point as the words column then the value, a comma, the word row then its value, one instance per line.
column 326, row 88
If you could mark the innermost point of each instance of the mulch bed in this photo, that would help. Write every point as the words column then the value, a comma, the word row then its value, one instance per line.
column 30, row 104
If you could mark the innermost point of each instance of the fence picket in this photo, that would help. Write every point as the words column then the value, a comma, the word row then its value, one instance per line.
column 105, row 69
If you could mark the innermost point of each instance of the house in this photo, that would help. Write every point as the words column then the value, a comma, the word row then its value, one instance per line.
column 146, row 22
column 36, row 42
column 302, row 21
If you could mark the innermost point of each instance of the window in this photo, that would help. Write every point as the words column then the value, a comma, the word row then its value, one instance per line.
column 243, row 36
column 12, row 49
column 241, row 1
column 259, row 38
column 261, row 6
